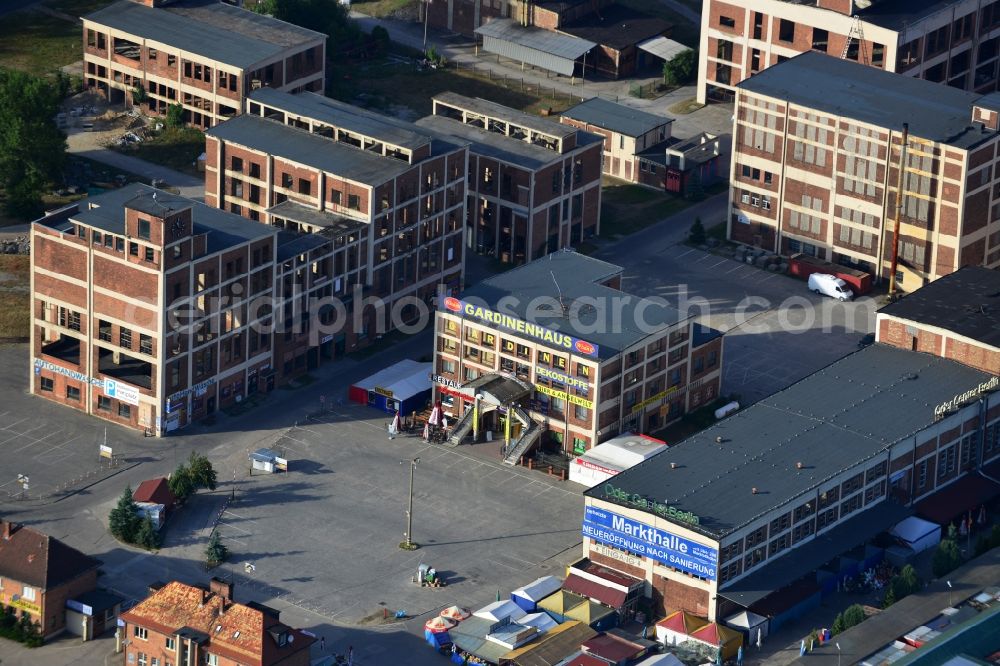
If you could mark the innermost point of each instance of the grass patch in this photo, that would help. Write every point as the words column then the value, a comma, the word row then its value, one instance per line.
column 685, row 107
column 176, row 148
column 384, row 8
column 387, row 84
column 626, row 209
column 39, row 43
column 684, row 31
column 15, row 300
column 77, row 7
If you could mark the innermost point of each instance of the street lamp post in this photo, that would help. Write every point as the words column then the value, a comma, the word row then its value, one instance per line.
column 950, row 594
column 427, row 8
column 838, row 653
column 408, row 544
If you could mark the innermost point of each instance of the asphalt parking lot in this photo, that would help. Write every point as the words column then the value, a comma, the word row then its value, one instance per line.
column 777, row 331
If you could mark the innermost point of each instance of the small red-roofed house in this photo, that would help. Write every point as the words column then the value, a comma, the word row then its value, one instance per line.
column 155, row 500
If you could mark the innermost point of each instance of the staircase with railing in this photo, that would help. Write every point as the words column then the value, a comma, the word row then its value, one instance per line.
column 462, row 428
column 522, row 444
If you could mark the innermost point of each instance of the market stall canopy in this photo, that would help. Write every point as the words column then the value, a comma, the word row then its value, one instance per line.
column 527, row 597
column 660, row 660
column 677, row 626
column 402, row 387
column 553, row 647
column 542, row 621
column 500, row 610
column 436, row 624
column 715, row 634
column 456, row 613
column 745, row 621
column 613, row 457
column 560, row 602
column 554, row 51
column 917, row 533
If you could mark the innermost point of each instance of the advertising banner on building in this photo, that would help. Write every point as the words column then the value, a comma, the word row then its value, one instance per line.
column 521, row 327
column 674, row 551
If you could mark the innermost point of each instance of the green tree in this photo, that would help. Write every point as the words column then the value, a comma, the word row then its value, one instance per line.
column 181, row 483
column 138, row 94
column 697, row 233
column 327, row 16
column 680, row 69
column 946, row 558
column 216, row 551
column 202, row 473
column 853, row 616
column 32, row 149
column 123, row 520
column 380, row 39
column 838, row 625
column 147, row 536
column 175, row 115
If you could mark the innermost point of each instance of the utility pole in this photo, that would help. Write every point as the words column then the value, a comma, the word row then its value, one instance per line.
column 408, row 544
column 899, row 212
column 427, row 7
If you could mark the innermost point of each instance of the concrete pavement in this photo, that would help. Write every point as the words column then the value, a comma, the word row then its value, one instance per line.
column 189, row 186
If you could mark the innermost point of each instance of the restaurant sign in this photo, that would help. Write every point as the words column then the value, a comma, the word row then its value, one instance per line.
column 521, row 327
column 641, row 539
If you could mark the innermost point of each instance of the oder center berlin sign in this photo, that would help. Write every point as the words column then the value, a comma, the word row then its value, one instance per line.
column 638, row 501
column 961, row 399
column 674, row 551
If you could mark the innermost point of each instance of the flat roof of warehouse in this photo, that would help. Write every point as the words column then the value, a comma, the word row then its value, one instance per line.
column 850, row 411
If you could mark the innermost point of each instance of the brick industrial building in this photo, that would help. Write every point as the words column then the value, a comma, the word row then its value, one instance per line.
column 39, row 574
column 183, row 624
column 956, row 317
column 816, row 152
column 571, row 377
column 534, row 185
column 205, row 55
column 763, row 510
column 953, row 42
column 151, row 310
column 389, row 196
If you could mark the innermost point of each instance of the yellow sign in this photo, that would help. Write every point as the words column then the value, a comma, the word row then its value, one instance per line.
column 568, row 397
column 381, row 391
column 26, row 605
column 650, row 400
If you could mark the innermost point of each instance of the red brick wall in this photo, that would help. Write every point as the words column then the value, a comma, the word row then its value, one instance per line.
column 670, row 596
column 54, row 601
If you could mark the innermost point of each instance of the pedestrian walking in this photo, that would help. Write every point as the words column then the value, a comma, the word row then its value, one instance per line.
column 350, row 655
column 322, row 643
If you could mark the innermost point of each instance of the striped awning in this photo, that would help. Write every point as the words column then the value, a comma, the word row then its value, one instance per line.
column 554, row 51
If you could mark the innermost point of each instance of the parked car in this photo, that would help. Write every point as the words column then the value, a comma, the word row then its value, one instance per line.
column 830, row 285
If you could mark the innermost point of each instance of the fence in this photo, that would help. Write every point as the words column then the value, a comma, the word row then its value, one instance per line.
column 650, row 90
column 518, row 83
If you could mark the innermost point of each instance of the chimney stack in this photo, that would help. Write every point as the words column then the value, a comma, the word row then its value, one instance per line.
column 9, row 528
column 221, row 587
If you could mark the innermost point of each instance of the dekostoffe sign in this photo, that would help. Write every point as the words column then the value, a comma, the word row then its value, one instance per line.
column 677, row 552
column 565, row 380
column 962, row 398
column 525, row 328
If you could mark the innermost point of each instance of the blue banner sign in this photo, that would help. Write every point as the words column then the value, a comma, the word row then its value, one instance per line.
column 682, row 554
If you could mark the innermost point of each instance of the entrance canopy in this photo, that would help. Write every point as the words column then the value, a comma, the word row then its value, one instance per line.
column 497, row 390
column 662, row 47
column 549, row 50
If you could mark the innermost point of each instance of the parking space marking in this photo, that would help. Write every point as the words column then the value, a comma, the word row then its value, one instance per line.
column 684, row 254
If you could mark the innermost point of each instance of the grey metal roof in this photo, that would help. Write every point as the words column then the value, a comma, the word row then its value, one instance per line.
column 616, row 117
column 313, row 150
column 834, row 419
column 332, row 224
column 543, row 48
column 530, row 293
column 491, row 144
column 293, row 244
column 871, row 95
column 107, row 212
column 485, row 107
column 345, row 116
column 662, row 47
column 208, row 28
column 807, row 558
column 966, row 302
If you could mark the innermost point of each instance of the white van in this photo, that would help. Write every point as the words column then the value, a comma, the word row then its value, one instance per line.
column 830, row 285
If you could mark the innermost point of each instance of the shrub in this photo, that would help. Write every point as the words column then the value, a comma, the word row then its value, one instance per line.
column 697, row 233
column 175, row 116
column 147, row 536
column 216, row 551
column 853, row 616
column 946, row 558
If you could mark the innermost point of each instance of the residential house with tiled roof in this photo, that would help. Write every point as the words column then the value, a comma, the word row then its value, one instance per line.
column 39, row 574
column 185, row 624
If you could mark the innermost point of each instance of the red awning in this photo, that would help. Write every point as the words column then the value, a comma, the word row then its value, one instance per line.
column 608, row 596
column 956, row 500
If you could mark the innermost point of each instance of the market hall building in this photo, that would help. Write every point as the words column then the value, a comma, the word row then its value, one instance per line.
column 751, row 512
column 536, row 356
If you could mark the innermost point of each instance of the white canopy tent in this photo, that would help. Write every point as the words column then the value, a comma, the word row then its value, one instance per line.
column 613, row 457
column 499, row 610
column 748, row 623
column 527, row 597
column 541, row 621
column 917, row 533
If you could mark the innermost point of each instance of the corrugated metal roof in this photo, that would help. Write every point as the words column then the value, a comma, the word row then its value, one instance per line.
column 549, row 50
column 485, row 107
column 615, row 117
column 210, row 29
column 833, row 420
column 662, row 47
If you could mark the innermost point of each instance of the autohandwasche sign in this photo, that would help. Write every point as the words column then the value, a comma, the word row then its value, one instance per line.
column 660, row 545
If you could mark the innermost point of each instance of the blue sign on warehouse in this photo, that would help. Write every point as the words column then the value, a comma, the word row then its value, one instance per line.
column 674, row 551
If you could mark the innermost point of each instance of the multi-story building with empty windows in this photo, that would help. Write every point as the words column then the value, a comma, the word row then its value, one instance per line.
column 152, row 310
column 815, row 169
column 534, row 185
column 953, row 42
column 554, row 353
column 205, row 55
column 392, row 195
